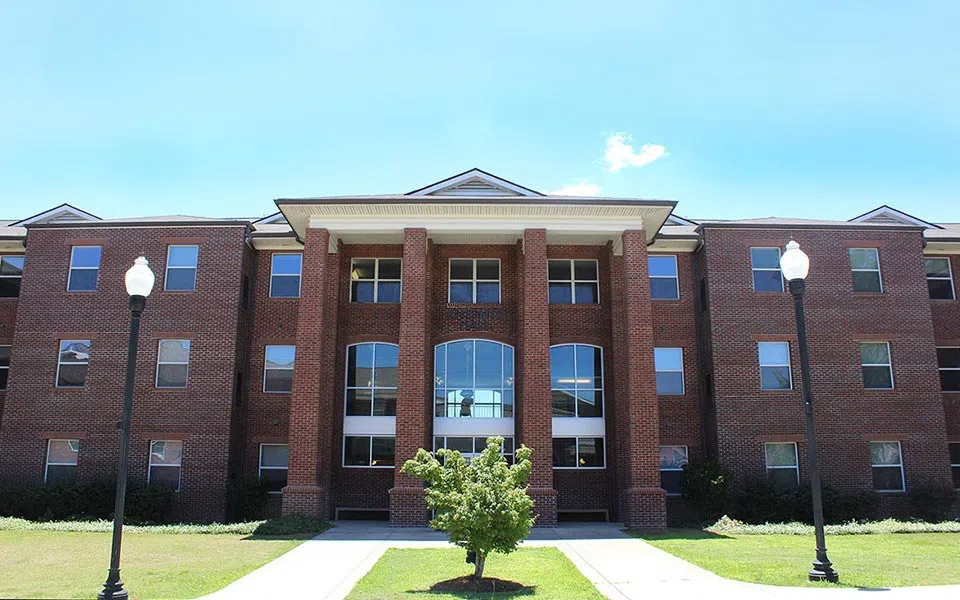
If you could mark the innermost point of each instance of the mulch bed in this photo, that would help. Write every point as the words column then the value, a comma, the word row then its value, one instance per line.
column 486, row 585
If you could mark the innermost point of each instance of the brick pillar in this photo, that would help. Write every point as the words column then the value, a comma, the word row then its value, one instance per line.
column 407, row 506
column 642, row 500
column 535, row 418
column 308, row 476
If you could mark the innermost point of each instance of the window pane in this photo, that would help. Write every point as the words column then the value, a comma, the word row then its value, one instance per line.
column 670, row 383
column 864, row 258
column 88, row 256
column 284, row 287
column 280, row 356
column 461, row 292
column 954, row 453
column 564, row 452
column 560, row 293
column 83, row 280
column 182, row 256
column 274, row 455
column 507, row 400
column 387, row 359
column 673, row 457
column 356, row 451
column 63, row 451
column 591, row 452
column 955, row 471
column 11, row 265
column 780, row 455
column 173, row 376
column 278, row 380
column 558, row 270
column 936, row 267
column 562, row 373
column 877, row 378
column 181, row 279
column 286, row 264
column 461, row 269
column 61, row 474
column 786, row 478
column 166, row 452
column 589, row 367
column 383, row 452
column 360, row 403
column 887, row 478
column 460, row 365
column 664, row 289
column 765, row 258
column 947, row 358
column 488, row 293
column 949, row 381
column 767, row 281
column 489, row 373
column 866, row 281
column 668, row 359
column 4, row 373
column 587, row 293
column 670, row 481
column 589, row 403
column 507, row 367
column 360, row 365
column 774, row 353
column 940, row 289
column 72, row 375
column 9, row 287
column 388, row 292
column 440, row 365
column 363, row 268
column 72, row 351
column 775, row 378
column 274, row 479
column 463, row 445
column 389, row 268
column 362, row 291
column 174, row 350
column 884, row 453
column 564, row 403
column 488, row 269
column 385, row 403
column 585, row 270
column 665, row 266
column 168, row 477
column 874, row 354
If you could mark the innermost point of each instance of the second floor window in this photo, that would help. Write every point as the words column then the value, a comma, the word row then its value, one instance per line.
column 473, row 378
column 875, row 366
column 578, row 453
column 72, row 363
column 668, row 365
column 11, row 273
column 278, row 366
column 939, row 278
column 474, row 281
column 4, row 366
column 375, row 280
column 765, row 264
column 173, row 363
column 84, row 268
column 285, row 275
column 368, row 451
column 573, row 282
column 181, row 268
column 576, row 380
column 664, row 283
column 865, row 265
column 948, row 363
column 774, row 366
column 372, row 380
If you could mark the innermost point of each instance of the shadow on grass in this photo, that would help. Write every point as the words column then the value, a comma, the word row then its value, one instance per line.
column 677, row 534
column 488, row 587
column 296, row 527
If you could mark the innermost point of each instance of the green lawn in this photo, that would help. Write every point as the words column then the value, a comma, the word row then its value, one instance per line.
column 56, row 564
column 883, row 560
column 409, row 573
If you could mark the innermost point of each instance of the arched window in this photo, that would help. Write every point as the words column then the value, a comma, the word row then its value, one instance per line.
column 473, row 378
column 576, row 380
column 371, row 388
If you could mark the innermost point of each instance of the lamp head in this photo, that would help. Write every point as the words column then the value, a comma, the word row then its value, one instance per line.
column 139, row 278
column 794, row 263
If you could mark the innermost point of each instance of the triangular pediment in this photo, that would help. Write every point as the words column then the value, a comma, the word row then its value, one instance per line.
column 675, row 220
column 276, row 218
column 474, row 182
column 58, row 214
column 885, row 215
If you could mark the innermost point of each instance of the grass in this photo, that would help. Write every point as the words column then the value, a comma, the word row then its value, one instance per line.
column 70, row 564
column 865, row 561
column 726, row 525
column 409, row 574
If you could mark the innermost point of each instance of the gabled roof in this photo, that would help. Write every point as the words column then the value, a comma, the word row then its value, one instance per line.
column 58, row 214
column 889, row 216
column 275, row 218
column 475, row 182
column 675, row 220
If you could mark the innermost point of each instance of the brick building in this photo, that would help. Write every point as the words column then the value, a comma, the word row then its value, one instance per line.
column 320, row 347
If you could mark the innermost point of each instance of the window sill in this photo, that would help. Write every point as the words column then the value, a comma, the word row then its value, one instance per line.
column 881, row 390
column 666, row 300
column 9, row 298
column 71, row 388
column 568, row 305
column 355, row 303
column 856, row 294
column 474, row 304
column 170, row 389
column 283, row 297
column 891, row 492
column 781, row 391
column 367, row 467
column 178, row 291
column 81, row 291
column 281, row 394
column 672, row 396
column 579, row 468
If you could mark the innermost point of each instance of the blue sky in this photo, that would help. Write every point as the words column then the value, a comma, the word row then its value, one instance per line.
column 747, row 109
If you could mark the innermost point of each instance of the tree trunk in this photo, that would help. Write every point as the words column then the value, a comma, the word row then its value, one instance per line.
column 478, row 566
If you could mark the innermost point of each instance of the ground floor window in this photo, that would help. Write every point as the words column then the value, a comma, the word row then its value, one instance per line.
column 273, row 466
column 470, row 447
column 886, row 462
column 782, row 465
column 165, row 463
column 955, row 463
column 61, row 464
column 368, row 451
column 672, row 460
column 578, row 453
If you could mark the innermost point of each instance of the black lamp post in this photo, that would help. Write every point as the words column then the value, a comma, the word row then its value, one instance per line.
column 139, row 282
column 794, row 265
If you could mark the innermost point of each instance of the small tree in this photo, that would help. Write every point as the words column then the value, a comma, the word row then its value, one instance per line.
column 482, row 504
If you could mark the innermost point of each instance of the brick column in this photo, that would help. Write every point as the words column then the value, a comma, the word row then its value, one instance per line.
column 535, row 418
column 307, row 490
column 642, row 500
column 407, row 506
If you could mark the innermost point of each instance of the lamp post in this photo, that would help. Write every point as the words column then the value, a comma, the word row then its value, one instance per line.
column 794, row 265
column 139, row 282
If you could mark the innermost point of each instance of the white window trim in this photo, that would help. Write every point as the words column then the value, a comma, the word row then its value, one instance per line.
column 903, row 481
column 949, row 277
column 56, row 381
column 179, row 465
column 796, row 459
column 888, row 364
column 603, row 382
column 475, row 280
column 186, row 381
column 370, row 437
column 195, row 267
column 7, row 366
column 788, row 366
column 261, row 468
column 47, row 464
column 266, row 350
column 939, row 368
column 683, row 376
column 299, row 274
column 686, row 452
column 376, row 278
column 577, row 459
column 876, row 251
column 753, row 281
column 573, row 281
column 374, row 387
column 502, row 370
column 96, row 268
column 675, row 276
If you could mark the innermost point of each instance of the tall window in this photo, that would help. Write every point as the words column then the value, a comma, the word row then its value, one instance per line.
column 573, row 281
column 765, row 263
column 372, row 379
column 664, row 284
column 471, row 447
column 72, row 363
column 955, row 463
column 368, row 451
column 285, row 275
column 375, row 280
column 61, row 464
column 782, row 465
column 278, row 365
column 865, row 264
column 939, row 278
column 4, row 366
column 578, row 453
column 473, row 378
column 948, row 363
column 576, row 380
column 84, row 267
column 474, row 281
column 273, row 466
column 875, row 365
column 173, row 363
column 668, row 363
column 165, row 462
column 774, row 366
column 886, row 463
column 672, row 460
column 181, row 268
column 11, row 273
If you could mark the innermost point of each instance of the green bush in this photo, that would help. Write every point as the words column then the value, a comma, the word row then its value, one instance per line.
column 705, row 484
column 726, row 525
column 762, row 501
column 246, row 499
column 291, row 524
column 84, row 501
column 932, row 503
column 146, row 505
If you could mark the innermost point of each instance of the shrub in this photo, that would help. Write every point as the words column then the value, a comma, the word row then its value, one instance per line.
column 762, row 501
column 726, row 525
column 94, row 500
column 291, row 524
column 148, row 504
column 246, row 499
column 932, row 503
column 705, row 484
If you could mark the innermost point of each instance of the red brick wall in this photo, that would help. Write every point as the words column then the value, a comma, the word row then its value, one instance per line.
column 8, row 315
column 946, row 330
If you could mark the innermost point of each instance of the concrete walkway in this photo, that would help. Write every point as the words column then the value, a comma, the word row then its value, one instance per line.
column 621, row 567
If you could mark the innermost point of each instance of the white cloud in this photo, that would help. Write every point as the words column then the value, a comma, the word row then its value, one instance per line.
column 581, row 188
column 620, row 154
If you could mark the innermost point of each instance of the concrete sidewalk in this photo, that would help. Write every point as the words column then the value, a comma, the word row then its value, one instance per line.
column 620, row 566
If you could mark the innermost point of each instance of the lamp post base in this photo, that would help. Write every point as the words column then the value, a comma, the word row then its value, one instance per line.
column 115, row 592
column 823, row 571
